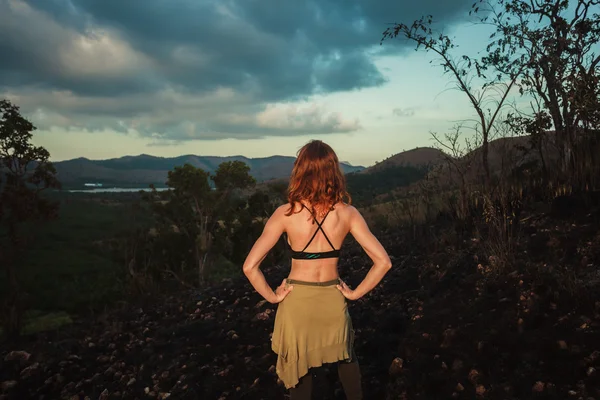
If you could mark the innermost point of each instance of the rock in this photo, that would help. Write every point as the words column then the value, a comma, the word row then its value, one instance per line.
column 396, row 366
column 103, row 359
column 262, row 316
column 28, row 371
column 260, row 304
column 7, row 385
column 17, row 355
column 473, row 376
column 562, row 344
column 457, row 365
column 480, row 390
column 539, row 387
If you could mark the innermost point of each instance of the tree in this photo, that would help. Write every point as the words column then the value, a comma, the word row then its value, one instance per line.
column 487, row 101
column 552, row 44
column 194, row 211
column 25, row 171
column 231, row 175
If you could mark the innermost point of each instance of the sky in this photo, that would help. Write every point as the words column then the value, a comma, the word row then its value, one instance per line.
column 108, row 78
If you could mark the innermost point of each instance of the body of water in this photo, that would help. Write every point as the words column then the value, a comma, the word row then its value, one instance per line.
column 112, row 190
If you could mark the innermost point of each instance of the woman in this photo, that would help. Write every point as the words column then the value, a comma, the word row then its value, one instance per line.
column 312, row 324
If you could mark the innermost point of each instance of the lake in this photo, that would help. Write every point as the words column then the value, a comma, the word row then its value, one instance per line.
column 112, row 190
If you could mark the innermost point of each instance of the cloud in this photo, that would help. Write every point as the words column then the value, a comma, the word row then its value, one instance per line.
column 180, row 116
column 184, row 69
column 404, row 112
column 312, row 119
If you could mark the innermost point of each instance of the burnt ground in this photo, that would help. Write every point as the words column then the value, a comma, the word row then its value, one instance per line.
column 443, row 324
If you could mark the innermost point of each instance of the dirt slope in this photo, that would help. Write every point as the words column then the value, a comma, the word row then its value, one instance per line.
column 439, row 327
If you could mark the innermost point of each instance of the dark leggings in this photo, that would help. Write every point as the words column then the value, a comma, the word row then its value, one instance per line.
column 349, row 373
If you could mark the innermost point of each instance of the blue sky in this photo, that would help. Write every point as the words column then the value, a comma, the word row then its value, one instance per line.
column 109, row 78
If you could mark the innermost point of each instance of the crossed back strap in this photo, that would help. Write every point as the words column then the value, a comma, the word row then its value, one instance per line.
column 319, row 227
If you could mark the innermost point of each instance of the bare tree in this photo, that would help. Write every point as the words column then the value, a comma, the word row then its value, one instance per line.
column 550, row 44
column 487, row 100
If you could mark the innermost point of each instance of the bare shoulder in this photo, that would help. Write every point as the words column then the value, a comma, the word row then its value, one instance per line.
column 345, row 208
column 347, row 211
column 281, row 211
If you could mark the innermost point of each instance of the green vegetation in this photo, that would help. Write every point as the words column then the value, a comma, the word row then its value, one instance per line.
column 69, row 267
column 79, row 262
column 188, row 222
column 367, row 189
column 25, row 173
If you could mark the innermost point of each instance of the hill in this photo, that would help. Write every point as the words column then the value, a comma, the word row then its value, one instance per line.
column 146, row 169
column 418, row 157
column 505, row 155
column 503, row 152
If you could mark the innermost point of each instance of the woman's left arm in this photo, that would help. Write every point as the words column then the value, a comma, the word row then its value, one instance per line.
column 272, row 231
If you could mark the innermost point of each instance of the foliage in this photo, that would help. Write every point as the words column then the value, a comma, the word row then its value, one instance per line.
column 546, row 50
column 192, row 222
column 551, row 43
column 365, row 189
column 25, row 172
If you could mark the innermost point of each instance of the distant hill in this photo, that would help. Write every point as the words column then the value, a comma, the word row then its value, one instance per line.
column 398, row 171
column 399, row 175
column 505, row 155
column 146, row 169
column 418, row 157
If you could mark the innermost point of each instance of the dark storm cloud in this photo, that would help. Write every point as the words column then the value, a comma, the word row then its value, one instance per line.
column 268, row 50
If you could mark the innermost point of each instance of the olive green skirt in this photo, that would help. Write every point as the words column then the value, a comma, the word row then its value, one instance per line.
column 312, row 327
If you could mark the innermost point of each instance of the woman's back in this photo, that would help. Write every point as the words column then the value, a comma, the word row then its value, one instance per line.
column 300, row 227
column 302, row 338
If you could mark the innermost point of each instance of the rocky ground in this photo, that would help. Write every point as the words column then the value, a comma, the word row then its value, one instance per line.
column 443, row 325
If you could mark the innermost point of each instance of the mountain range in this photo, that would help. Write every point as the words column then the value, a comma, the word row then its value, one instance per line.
column 145, row 169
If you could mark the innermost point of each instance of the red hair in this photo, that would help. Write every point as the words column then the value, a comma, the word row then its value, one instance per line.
column 317, row 178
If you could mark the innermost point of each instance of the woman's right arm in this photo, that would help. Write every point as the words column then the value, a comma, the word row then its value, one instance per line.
column 381, row 261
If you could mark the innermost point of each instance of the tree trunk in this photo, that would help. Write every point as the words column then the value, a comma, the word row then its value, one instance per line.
column 540, row 150
column 486, row 165
column 201, row 261
column 13, row 304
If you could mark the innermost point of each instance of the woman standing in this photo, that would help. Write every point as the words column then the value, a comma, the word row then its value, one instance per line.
column 312, row 324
